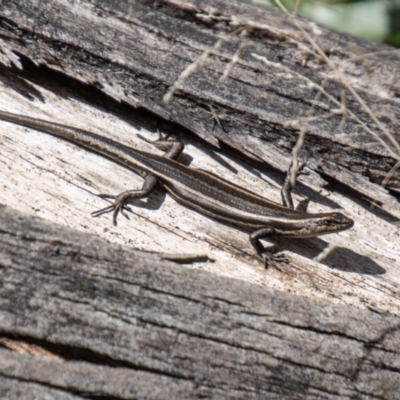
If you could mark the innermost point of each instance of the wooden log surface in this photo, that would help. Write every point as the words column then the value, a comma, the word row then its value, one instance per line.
column 113, row 322
column 136, row 50
column 57, row 181
column 111, row 79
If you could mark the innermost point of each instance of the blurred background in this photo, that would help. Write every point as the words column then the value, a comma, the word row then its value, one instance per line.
column 377, row 20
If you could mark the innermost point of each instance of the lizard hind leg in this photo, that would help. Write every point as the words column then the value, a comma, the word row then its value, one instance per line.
column 171, row 144
column 286, row 192
column 120, row 200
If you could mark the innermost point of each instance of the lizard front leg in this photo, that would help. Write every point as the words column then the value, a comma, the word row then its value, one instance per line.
column 266, row 254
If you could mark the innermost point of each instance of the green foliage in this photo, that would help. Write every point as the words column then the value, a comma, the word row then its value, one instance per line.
column 376, row 20
column 394, row 40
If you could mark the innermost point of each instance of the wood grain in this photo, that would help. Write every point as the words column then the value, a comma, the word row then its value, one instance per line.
column 131, row 326
column 136, row 50
column 78, row 296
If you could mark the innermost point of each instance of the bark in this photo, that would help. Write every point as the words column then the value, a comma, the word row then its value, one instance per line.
column 91, row 317
column 136, row 50
column 118, row 323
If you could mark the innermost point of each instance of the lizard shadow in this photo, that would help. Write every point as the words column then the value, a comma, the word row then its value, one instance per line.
column 341, row 259
column 20, row 85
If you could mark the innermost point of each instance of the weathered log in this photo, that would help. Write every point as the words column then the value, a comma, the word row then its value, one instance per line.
column 133, row 316
column 124, row 324
column 136, row 50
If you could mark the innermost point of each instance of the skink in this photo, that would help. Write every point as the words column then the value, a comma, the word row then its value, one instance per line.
column 198, row 189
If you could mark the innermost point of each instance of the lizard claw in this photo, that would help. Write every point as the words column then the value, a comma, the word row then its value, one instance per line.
column 118, row 206
column 273, row 259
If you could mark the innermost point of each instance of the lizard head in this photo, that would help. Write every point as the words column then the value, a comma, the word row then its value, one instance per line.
column 328, row 223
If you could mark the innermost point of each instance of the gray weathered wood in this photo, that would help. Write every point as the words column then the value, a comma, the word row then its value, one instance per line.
column 91, row 318
column 130, row 326
column 136, row 50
